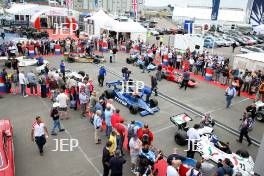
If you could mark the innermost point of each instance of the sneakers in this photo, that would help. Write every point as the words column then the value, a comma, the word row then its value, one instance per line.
column 25, row 95
column 54, row 134
column 62, row 130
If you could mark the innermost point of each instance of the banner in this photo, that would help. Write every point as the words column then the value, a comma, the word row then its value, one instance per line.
column 215, row 9
column 134, row 4
column 257, row 13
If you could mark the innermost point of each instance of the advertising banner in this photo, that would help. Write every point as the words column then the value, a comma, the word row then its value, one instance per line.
column 257, row 13
column 215, row 9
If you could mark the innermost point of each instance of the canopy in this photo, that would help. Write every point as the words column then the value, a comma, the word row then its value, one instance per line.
column 250, row 61
column 259, row 29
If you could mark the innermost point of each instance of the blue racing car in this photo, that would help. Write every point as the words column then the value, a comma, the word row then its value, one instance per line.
column 134, row 103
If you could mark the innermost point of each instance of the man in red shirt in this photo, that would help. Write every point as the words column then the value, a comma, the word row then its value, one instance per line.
column 145, row 131
column 116, row 118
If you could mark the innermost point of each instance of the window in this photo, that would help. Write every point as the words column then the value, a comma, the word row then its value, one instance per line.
column 21, row 17
column 16, row 17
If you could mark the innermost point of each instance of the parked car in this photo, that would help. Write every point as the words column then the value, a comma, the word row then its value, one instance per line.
column 249, row 49
column 7, row 164
column 153, row 32
column 240, row 41
column 249, row 40
column 208, row 43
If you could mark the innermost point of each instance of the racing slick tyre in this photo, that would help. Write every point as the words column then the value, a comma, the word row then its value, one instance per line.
column 181, row 137
column 81, row 73
column 109, row 93
column 153, row 102
column 133, row 109
column 243, row 153
column 260, row 116
column 128, row 61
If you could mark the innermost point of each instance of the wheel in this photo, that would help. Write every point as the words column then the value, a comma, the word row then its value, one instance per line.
column 109, row 93
column 153, row 102
column 243, row 153
column 133, row 109
column 81, row 73
column 181, row 137
column 260, row 116
column 128, row 61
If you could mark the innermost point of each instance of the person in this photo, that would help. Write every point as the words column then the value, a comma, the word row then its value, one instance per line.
column 32, row 80
column 101, row 76
column 53, row 85
column 171, row 168
column 252, row 109
column 226, row 169
column 108, row 114
column 114, row 53
column 154, row 85
column 234, row 46
column 230, row 93
column 146, row 91
column 261, row 91
column 43, row 86
column 56, row 118
column 112, row 139
column 145, row 135
column 131, row 131
column 62, row 99
column 23, row 83
column 207, row 121
column 92, row 103
column 6, row 80
column 207, row 168
column 135, row 146
column 116, row 164
column 244, row 129
column 62, row 68
column 195, row 171
column 186, row 78
column 3, row 34
column 39, row 133
column 106, row 158
column 193, row 138
column 83, row 97
column 14, row 80
column 97, row 122
column 146, row 160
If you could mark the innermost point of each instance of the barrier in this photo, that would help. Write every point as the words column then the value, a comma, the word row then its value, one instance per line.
column 209, row 74
column 104, row 47
column 2, row 85
column 165, row 60
column 57, row 49
column 31, row 51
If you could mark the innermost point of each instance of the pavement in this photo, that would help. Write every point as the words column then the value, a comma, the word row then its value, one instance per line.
column 86, row 158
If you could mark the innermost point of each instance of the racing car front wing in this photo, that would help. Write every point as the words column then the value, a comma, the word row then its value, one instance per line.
column 150, row 111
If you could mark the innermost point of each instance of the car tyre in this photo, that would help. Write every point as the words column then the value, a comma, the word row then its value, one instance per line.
column 260, row 116
column 128, row 61
column 133, row 109
column 153, row 102
column 109, row 93
column 243, row 153
column 181, row 137
column 81, row 73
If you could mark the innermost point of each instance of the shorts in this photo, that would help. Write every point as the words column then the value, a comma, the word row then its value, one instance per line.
column 133, row 159
column 63, row 109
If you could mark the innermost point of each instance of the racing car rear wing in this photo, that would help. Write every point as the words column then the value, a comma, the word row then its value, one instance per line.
column 114, row 83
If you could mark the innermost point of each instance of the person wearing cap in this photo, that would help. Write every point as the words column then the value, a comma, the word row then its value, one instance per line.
column 56, row 119
column 226, row 169
column 116, row 164
column 101, row 76
column 106, row 158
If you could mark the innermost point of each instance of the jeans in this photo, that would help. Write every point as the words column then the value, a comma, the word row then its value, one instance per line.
column 244, row 132
column 108, row 130
column 23, row 89
column 228, row 100
column 56, row 123
column 33, row 86
column 40, row 141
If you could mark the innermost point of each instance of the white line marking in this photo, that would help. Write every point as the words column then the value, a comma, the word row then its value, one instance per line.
column 80, row 149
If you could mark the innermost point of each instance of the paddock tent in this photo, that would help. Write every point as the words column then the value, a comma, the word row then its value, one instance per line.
column 250, row 61
column 93, row 24
column 259, row 29
column 136, row 30
column 188, row 41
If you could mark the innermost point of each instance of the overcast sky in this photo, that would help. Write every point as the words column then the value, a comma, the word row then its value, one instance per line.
column 226, row 3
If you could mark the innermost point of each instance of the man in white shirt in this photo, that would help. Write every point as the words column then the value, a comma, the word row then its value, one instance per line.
column 62, row 99
column 230, row 94
column 39, row 133
column 135, row 146
column 22, row 82
column 193, row 138
column 171, row 168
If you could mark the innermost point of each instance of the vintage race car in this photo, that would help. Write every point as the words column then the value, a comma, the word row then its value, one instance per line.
column 133, row 58
column 260, row 111
column 85, row 58
column 215, row 150
column 7, row 165
column 24, row 61
column 134, row 103
column 177, row 77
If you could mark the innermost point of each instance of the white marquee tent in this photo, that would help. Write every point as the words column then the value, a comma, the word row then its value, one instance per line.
column 250, row 61
column 259, row 29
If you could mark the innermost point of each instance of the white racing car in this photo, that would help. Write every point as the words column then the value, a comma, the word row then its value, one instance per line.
column 216, row 150
column 24, row 61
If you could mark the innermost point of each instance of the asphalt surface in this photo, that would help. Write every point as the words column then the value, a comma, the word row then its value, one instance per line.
column 86, row 158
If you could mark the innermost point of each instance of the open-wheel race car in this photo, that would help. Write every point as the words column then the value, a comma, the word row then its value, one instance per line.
column 181, row 121
column 7, row 164
column 134, row 102
column 133, row 58
column 260, row 111
column 172, row 75
column 24, row 61
column 217, row 150
column 85, row 58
